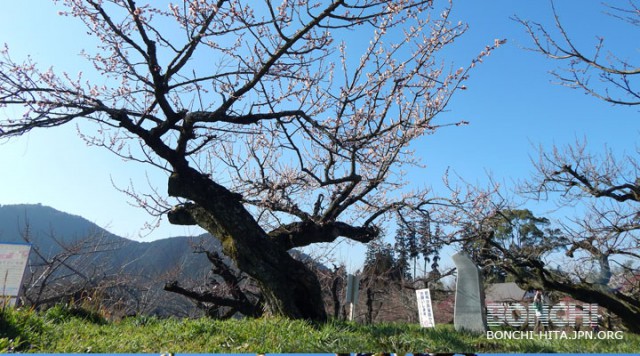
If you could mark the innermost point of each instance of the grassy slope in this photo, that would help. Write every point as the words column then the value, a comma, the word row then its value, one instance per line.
column 59, row 330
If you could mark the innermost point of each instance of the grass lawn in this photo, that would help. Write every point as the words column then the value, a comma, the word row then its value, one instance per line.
column 63, row 330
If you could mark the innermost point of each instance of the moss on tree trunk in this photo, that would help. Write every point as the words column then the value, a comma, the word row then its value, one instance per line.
column 290, row 288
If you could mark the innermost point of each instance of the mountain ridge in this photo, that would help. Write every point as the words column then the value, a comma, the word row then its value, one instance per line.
column 100, row 254
column 147, row 265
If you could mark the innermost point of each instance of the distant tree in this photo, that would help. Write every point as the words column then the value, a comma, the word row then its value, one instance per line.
column 402, row 246
column 425, row 245
column 518, row 231
column 519, row 228
column 429, row 246
column 381, row 263
column 414, row 238
column 413, row 245
column 431, row 253
column 276, row 126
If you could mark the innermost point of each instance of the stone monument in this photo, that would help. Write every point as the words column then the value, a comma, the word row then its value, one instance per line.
column 469, row 312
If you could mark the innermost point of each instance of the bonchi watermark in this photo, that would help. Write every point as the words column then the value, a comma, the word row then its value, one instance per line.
column 561, row 314
column 555, row 335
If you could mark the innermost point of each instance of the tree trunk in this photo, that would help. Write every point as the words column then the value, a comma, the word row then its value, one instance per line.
column 370, row 296
column 625, row 307
column 290, row 288
column 335, row 285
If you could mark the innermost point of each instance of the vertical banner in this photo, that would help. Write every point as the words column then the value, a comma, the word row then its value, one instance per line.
column 13, row 261
column 425, row 308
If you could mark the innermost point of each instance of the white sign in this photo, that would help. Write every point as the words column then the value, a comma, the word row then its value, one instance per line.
column 425, row 308
column 13, row 260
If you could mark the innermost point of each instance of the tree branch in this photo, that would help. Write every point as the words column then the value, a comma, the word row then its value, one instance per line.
column 304, row 233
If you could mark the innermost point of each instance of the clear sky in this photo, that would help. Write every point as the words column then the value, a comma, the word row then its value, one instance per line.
column 511, row 103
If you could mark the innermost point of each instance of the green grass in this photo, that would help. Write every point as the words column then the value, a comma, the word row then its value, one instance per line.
column 63, row 330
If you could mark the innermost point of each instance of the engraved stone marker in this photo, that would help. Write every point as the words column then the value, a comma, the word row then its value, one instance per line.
column 469, row 309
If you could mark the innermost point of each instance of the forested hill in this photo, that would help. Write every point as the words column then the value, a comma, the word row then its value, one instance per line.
column 41, row 222
column 98, row 256
column 51, row 231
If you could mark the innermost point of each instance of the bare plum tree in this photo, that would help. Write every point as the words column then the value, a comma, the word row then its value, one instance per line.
column 605, row 237
column 615, row 74
column 277, row 126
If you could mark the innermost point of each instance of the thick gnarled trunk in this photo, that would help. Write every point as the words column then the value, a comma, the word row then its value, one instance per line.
column 625, row 307
column 289, row 287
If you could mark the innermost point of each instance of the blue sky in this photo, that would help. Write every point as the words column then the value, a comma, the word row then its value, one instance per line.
column 511, row 102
